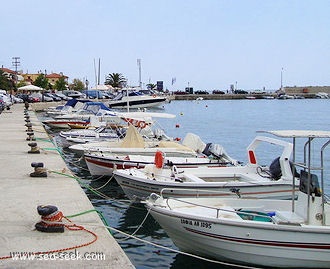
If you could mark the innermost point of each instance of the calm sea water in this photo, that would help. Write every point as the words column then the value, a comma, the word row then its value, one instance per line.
column 231, row 123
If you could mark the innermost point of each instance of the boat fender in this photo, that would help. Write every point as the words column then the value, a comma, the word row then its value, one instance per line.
column 159, row 159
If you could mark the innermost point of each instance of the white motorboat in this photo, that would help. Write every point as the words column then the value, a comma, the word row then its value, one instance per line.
column 101, row 133
column 135, row 143
column 89, row 109
column 71, row 106
column 146, row 134
column 252, row 179
column 91, row 114
column 132, row 98
column 65, row 124
column 322, row 95
column 103, row 163
column 258, row 232
column 285, row 97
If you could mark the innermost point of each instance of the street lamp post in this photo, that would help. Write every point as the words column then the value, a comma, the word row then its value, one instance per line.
column 86, row 83
column 282, row 79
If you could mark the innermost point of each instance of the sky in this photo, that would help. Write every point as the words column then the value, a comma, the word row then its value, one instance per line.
column 204, row 44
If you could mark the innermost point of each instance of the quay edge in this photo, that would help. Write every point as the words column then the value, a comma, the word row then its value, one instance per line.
column 21, row 194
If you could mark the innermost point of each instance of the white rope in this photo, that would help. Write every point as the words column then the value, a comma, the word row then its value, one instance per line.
column 138, row 228
column 106, row 183
column 173, row 250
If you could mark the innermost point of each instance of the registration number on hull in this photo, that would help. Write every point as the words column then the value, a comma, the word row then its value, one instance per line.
column 196, row 223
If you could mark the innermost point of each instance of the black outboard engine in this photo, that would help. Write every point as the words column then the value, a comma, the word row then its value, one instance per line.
column 275, row 169
column 206, row 150
column 213, row 149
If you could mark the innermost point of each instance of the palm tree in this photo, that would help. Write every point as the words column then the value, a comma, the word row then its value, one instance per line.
column 116, row 80
column 151, row 86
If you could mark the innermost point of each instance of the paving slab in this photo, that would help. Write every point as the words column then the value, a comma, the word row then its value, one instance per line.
column 21, row 194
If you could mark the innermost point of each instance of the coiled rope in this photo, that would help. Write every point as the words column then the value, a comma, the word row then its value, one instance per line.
column 56, row 220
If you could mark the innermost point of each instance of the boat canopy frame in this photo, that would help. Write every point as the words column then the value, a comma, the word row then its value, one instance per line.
column 310, row 135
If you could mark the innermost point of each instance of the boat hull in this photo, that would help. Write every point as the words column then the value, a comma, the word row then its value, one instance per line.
column 261, row 244
column 140, row 188
column 104, row 165
column 141, row 103
column 59, row 124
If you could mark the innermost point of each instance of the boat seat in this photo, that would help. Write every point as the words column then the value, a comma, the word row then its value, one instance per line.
column 192, row 178
column 228, row 212
column 288, row 217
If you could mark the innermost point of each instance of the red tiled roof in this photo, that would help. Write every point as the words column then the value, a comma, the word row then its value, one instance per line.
column 55, row 75
column 6, row 70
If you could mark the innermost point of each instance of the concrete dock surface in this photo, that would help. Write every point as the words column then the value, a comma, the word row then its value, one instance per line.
column 21, row 194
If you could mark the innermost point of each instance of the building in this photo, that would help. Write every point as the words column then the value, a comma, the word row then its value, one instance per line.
column 30, row 78
column 11, row 74
column 53, row 77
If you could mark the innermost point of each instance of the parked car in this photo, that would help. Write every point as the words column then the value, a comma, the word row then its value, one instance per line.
column 42, row 98
column 6, row 99
column 180, row 93
column 16, row 99
column 2, row 106
column 201, row 92
column 218, row 92
column 27, row 98
column 74, row 94
column 55, row 98
column 240, row 92
column 93, row 94
column 62, row 96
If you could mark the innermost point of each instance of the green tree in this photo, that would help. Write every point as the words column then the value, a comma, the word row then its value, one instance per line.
column 77, row 85
column 116, row 80
column 21, row 84
column 41, row 81
column 60, row 84
column 5, row 82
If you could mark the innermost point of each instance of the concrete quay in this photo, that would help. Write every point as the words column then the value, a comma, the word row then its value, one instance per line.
column 21, row 194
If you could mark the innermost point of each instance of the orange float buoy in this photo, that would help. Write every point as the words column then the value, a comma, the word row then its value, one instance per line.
column 159, row 159
column 142, row 124
column 177, row 139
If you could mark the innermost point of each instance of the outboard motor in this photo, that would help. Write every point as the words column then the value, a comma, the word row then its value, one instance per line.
column 206, row 150
column 216, row 150
column 275, row 169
